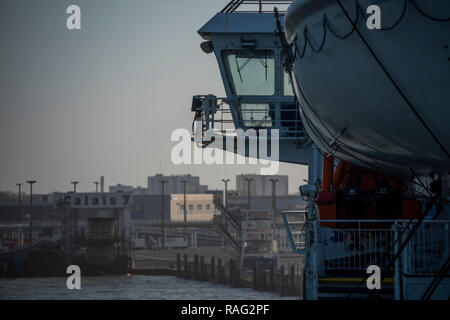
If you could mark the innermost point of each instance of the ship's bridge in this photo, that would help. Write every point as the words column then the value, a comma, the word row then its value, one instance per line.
column 259, row 94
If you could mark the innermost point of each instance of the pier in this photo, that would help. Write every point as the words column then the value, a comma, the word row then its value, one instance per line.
column 221, row 267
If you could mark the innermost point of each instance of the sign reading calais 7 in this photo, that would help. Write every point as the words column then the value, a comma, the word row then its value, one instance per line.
column 95, row 200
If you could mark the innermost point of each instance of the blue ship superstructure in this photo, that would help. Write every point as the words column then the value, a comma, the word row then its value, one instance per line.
column 374, row 203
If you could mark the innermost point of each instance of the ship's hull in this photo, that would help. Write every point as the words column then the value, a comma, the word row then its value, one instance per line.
column 379, row 99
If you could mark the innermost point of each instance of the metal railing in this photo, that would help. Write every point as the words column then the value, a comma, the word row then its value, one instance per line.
column 294, row 221
column 368, row 242
column 222, row 228
column 255, row 6
column 224, row 121
column 233, row 221
column 427, row 250
column 354, row 249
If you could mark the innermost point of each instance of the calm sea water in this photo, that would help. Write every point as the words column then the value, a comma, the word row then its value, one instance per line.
column 133, row 287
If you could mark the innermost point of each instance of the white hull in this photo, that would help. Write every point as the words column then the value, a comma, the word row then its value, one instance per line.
column 351, row 107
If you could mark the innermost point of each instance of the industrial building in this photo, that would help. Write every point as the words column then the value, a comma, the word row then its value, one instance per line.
column 200, row 207
column 175, row 184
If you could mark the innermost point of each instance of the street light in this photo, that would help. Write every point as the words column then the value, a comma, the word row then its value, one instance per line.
column 75, row 212
column 96, row 186
column 162, row 214
column 274, row 182
column 225, row 202
column 274, row 203
column 75, row 185
column 184, row 200
column 19, row 209
column 31, row 182
column 248, row 183
column 20, row 202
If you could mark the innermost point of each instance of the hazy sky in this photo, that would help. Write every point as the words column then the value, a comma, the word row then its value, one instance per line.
column 104, row 100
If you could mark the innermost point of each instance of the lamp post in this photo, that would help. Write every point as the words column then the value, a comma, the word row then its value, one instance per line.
column 248, row 185
column 19, row 214
column 96, row 186
column 20, row 202
column 75, row 185
column 184, row 200
column 162, row 214
column 225, row 201
column 274, row 203
column 31, row 182
column 75, row 211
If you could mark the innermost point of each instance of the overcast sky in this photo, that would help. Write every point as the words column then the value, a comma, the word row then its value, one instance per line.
column 105, row 99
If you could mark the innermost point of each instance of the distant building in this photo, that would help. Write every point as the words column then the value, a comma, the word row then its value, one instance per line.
column 124, row 188
column 140, row 190
column 174, row 184
column 200, row 207
column 120, row 188
column 261, row 185
column 43, row 208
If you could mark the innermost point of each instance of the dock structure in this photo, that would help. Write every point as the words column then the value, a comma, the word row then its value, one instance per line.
column 257, row 254
column 105, row 247
column 42, row 258
column 219, row 266
column 103, row 238
column 285, row 281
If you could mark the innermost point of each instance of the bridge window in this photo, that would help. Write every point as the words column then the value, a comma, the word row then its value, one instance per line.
column 256, row 115
column 251, row 72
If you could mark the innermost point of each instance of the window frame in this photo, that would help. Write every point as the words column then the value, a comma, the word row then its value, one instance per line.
column 229, row 75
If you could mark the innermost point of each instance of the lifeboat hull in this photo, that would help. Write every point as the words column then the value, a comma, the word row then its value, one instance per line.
column 377, row 98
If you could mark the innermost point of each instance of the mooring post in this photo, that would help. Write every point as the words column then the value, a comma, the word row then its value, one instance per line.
column 291, row 281
column 196, row 267
column 219, row 270
column 10, row 266
column 186, row 272
column 213, row 265
column 254, row 277
column 237, row 272
column 202, row 268
column 263, row 279
column 231, row 271
column 272, row 277
column 260, row 273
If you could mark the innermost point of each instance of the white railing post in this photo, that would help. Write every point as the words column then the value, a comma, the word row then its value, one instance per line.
column 397, row 295
column 311, row 277
column 446, row 240
column 405, row 261
column 315, row 280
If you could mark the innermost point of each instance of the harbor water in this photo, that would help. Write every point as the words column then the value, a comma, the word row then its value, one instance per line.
column 135, row 287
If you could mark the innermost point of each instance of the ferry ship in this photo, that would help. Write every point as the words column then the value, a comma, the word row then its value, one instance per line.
column 367, row 110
